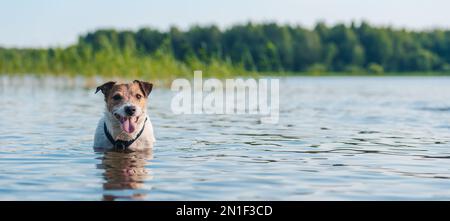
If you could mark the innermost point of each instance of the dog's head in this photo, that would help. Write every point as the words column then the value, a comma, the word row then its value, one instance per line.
column 126, row 102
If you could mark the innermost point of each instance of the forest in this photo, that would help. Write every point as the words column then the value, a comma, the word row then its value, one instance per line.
column 258, row 48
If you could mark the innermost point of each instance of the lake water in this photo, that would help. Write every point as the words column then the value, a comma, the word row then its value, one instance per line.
column 338, row 138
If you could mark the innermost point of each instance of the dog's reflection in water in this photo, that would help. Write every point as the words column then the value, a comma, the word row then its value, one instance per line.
column 124, row 170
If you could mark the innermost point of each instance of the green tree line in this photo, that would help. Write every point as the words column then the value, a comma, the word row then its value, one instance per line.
column 240, row 49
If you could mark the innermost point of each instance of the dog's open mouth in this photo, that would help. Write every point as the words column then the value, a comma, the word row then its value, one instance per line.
column 128, row 124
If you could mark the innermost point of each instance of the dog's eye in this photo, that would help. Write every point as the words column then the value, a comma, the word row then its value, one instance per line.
column 138, row 96
column 117, row 97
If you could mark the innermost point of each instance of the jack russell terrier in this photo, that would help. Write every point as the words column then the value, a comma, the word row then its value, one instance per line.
column 125, row 125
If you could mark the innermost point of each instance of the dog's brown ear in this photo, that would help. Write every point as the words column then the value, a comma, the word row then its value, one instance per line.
column 105, row 87
column 146, row 87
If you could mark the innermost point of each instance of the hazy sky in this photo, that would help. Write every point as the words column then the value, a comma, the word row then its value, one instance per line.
column 42, row 23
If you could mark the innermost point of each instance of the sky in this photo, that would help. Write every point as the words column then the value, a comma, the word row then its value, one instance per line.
column 58, row 23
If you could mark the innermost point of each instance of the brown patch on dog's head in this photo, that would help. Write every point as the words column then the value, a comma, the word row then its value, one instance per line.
column 145, row 87
column 105, row 88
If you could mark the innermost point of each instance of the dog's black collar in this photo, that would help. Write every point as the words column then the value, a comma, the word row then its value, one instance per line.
column 122, row 144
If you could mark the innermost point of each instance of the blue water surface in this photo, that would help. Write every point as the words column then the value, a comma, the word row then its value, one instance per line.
column 338, row 138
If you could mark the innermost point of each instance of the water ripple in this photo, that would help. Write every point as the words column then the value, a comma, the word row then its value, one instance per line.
column 338, row 138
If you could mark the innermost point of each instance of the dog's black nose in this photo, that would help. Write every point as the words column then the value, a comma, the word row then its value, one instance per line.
column 130, row 110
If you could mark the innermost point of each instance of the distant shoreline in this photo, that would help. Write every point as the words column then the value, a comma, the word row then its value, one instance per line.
column 245, row 49
column 346, row 74
column 252, row 74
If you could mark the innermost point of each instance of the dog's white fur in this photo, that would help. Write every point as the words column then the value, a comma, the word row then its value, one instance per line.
column 145, row 141
column 120, row 110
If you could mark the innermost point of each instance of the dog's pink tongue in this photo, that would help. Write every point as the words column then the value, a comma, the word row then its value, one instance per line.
column 127, row 125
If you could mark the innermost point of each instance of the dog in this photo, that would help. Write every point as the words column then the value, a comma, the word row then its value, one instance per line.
column 125, row 124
